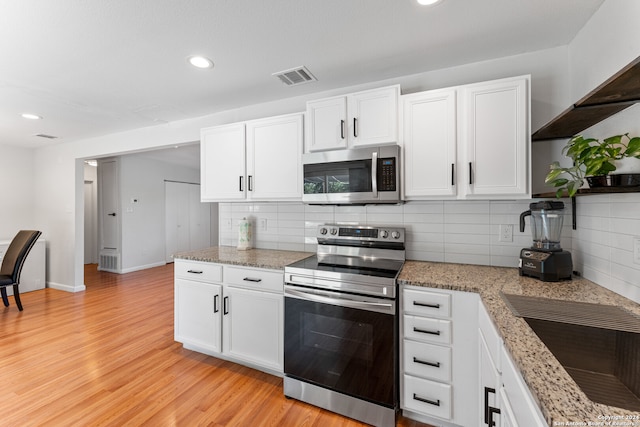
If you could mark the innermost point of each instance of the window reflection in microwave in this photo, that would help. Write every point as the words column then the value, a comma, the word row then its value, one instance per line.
column 350, row 340
column 344, row 177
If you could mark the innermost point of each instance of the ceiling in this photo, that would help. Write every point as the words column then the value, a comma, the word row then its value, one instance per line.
column 95, row 67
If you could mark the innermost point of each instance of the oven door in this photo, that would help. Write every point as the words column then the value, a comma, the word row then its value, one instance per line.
column 342, row 342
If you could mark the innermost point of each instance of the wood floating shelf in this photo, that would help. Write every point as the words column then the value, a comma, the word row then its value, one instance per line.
column 619, row 92
column 591, row 191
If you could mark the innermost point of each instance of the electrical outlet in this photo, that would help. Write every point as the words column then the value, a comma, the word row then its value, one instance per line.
column 263, row 224
column 636, row 250
column 505, row 233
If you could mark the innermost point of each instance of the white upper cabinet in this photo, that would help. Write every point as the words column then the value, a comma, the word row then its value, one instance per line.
column 429, row 140
column 497, row 139
column 274, row 158
column 359, row 119
column 256, row 160
column 468, row 142
column 222, row 163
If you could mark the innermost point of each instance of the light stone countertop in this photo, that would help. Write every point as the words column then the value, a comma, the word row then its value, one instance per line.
column 259, row 258
column 560, row 399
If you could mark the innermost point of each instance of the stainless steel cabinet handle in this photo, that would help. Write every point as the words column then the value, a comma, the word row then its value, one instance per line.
column 194, row 271
column 426, row 331
column 241, row 183
column 453, row 174
column 225, row 305
column 424, row 362
column 470, row 174
column 252, row 279
column 250, row 181
column 112, row 214
column 429, row 401
column 425, row 304
column 355, row 127
column 342, row 129
column 215, row 304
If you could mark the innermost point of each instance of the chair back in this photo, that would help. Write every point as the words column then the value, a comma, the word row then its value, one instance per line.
column 17, row 253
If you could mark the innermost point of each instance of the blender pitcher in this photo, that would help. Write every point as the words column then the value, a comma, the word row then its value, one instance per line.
column 546, row 224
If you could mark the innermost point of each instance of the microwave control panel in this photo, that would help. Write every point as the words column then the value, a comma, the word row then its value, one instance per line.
column 387, row 174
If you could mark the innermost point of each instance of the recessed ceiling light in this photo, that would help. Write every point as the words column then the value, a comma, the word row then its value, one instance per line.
column 200, row 62
column 428, row 2
column 31, row 116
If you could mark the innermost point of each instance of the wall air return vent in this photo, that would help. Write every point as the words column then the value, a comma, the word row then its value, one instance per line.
column 44, row 135
column 295, row 76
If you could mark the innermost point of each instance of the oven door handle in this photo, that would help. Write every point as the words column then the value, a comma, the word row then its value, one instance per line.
column 381, row 307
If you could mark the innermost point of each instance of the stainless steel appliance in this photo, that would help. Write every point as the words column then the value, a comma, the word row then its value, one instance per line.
column 341, row 323
column 545, row 260
column 356, row 176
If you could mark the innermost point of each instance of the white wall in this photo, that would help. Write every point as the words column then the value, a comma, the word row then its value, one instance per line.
column 143, row 227
column 602, row 244
column 16, row 176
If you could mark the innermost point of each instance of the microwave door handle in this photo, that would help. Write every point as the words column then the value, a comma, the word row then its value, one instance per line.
column 374, row 174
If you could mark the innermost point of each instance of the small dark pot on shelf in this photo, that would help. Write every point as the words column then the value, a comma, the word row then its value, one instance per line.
column 625, row 180
column 598, row 181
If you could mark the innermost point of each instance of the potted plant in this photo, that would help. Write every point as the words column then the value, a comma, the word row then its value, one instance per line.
column 592, row 159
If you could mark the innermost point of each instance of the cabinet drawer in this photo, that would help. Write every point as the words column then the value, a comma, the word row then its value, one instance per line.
column 196, row 270
column 427, row 360
column 427, row 330
column 425, row 303
column 427, row 397
column 253, row 278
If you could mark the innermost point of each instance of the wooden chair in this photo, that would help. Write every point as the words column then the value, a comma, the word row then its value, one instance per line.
column 13, row 261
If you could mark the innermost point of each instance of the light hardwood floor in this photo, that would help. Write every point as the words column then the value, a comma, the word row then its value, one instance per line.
column 107, row 356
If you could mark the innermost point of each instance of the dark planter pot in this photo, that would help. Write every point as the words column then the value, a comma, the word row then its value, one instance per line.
column 598, row 181
column 625, row 180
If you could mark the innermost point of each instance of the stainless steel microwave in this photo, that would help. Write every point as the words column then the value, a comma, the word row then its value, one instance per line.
column 355, row 176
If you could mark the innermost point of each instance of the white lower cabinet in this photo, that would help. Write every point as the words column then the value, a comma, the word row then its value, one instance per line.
column 438, row 356
column 505, row 400
column 235, row 313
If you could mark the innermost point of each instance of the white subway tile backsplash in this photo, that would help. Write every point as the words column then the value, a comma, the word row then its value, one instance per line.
column 463, row 231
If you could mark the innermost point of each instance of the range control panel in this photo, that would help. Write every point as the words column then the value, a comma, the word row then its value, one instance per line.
column 364, row 233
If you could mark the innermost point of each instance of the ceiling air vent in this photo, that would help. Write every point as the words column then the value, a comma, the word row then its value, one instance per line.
column 295, row 76
column 44, row 135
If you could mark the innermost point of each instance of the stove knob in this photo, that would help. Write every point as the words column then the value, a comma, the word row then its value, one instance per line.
column 334, row 231
column 323, row 231
column 384, row 234
column 395, row 235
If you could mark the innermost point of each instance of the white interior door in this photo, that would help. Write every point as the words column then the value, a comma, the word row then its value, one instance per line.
column 90, row 224
column 187, row 220
column 109, row 207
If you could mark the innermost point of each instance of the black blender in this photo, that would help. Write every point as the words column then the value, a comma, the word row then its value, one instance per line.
column 545, row 260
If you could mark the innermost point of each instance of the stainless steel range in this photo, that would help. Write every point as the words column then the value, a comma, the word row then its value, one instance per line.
column 341, row 323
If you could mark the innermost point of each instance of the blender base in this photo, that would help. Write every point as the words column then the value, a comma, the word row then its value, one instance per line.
column 548, row 266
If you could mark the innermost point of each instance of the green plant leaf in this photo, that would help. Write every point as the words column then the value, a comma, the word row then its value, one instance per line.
column 633, row 147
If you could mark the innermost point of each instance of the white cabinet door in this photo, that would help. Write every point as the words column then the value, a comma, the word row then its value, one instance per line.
column 373, row 117
column 274, row 158
column 489, row 386
column 253, row 327
column 198, row 314
column 429, row 140
column 366, row 118
column 222, row 163
column 496, row 138
column 326, row 124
